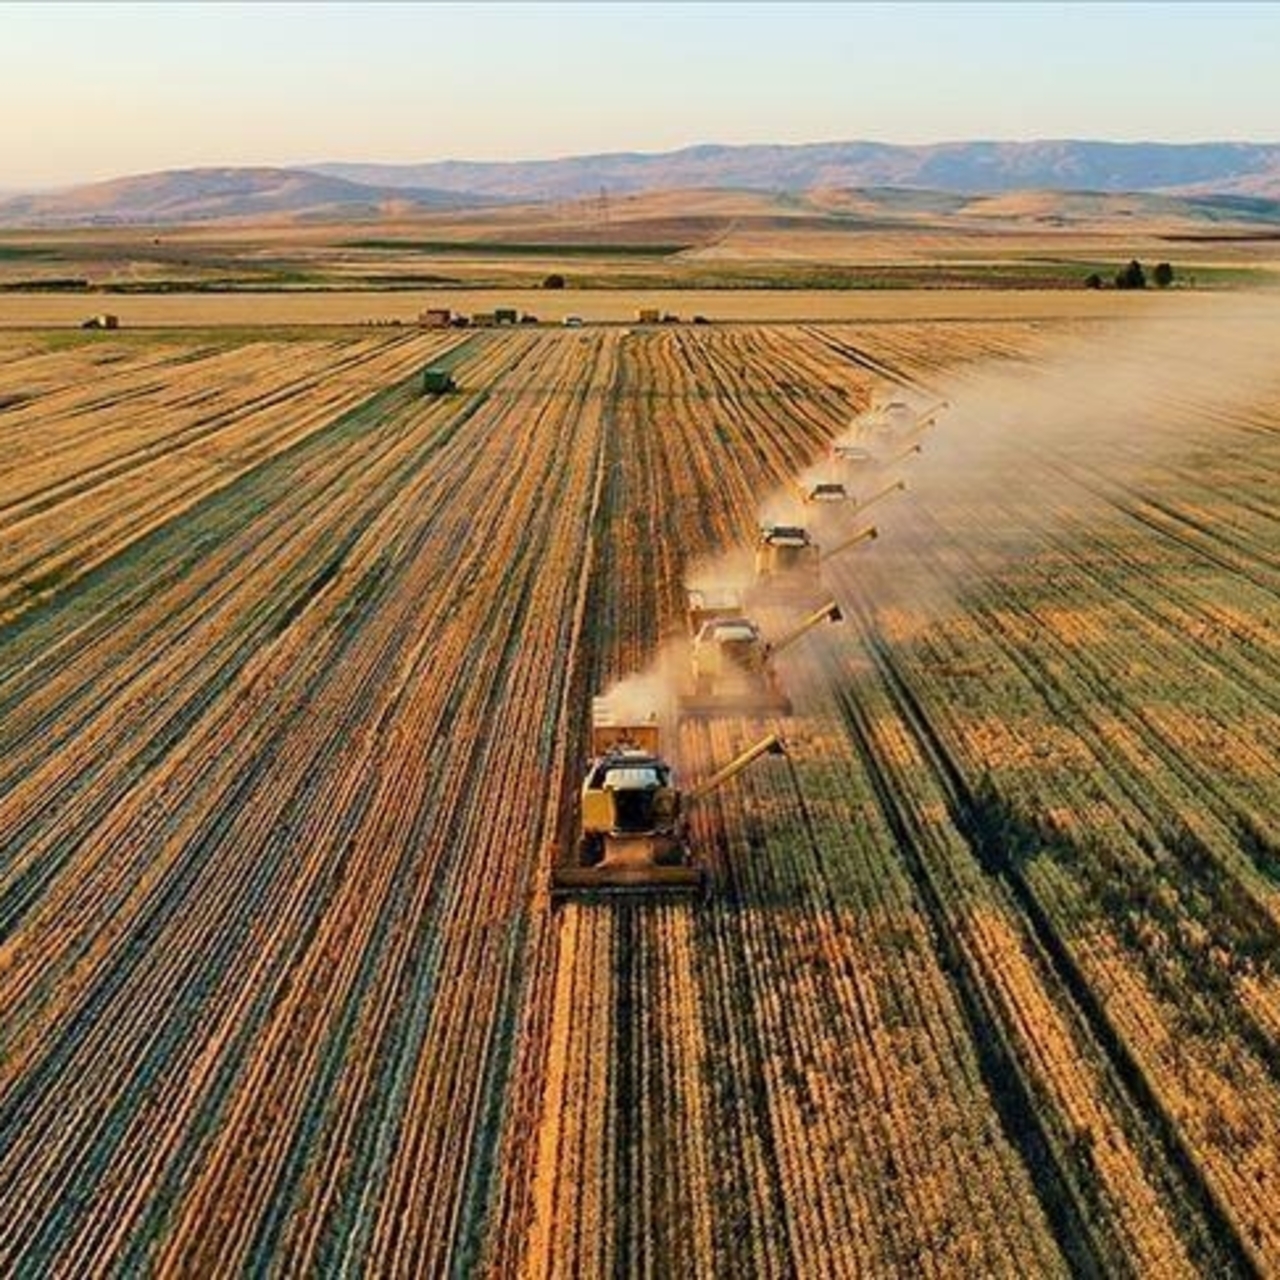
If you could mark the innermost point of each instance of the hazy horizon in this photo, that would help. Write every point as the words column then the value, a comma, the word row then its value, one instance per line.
column 130, row 89
column 319, row 163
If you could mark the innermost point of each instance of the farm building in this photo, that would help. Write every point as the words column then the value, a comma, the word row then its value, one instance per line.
column 435, row 318
column 648, row 315
column 105, row 320
column 505, row 315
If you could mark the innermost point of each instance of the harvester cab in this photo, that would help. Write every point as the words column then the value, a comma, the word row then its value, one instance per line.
column 633, row 832
column 826, row 491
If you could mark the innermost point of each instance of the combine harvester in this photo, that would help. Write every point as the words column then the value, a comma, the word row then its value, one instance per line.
column 896, row 420
column 860, row 460
column 633, row 835
column 788, row 563
column 830, row 495
column 732, row 663
column 865, row 445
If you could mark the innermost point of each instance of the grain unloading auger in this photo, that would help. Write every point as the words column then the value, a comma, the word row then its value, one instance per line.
column 733, row 664
column 869, row 534
column 633, row 835
column 898, row 486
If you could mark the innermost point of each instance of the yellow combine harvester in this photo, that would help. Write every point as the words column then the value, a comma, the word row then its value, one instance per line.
column 786, row 563
column 633, row 836
column 733, row 664
column 788, row 560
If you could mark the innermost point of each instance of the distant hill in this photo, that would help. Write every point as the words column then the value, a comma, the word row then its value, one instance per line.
column 1043, row 208
column 197, row 195
column 971, row 167
column 712, row 219
column 1038, row 181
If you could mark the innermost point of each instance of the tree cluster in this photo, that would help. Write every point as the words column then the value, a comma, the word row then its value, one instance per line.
column 1133, row 276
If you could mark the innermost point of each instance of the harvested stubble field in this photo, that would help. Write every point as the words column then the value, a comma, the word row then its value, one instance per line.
column 294, row 680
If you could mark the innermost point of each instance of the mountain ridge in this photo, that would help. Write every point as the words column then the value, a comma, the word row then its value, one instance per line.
column 1245, row 172
column 970, row 167
column 214, row 193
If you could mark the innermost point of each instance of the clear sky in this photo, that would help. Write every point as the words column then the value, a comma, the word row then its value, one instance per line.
column 99, row 90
